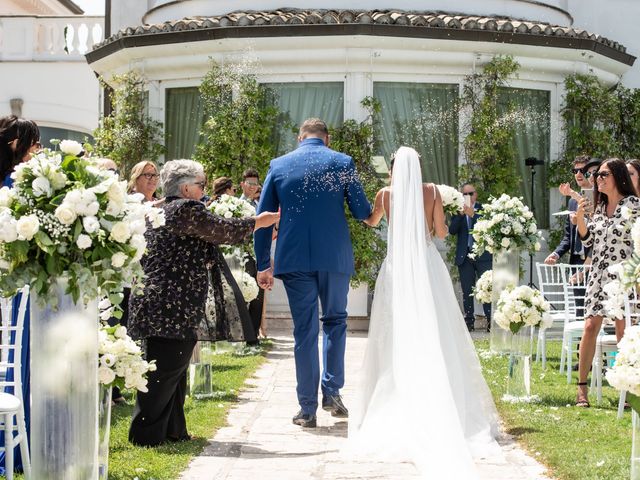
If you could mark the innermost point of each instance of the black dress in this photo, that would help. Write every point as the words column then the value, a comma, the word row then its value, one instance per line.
column 168, row 312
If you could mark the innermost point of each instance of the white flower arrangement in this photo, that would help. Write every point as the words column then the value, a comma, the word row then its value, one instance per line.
column 247, row 285
column 65, row 217
column 483, row 289
column 452, row 199
column 522, row 306
column 228, row 206
column 506, row 223
column 120, row 359
column 625, row 374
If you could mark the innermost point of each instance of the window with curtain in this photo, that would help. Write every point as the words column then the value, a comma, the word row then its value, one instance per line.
column 183, row 119
column 49, row 133
column 299, row 101
column 530, row 116
column 423, row 116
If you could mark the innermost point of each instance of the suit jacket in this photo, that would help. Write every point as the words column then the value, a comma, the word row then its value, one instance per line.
column 310, row 185
column 460, row 227
column 571, row 240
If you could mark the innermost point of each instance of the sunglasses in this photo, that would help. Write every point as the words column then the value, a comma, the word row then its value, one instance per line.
column 577, row 170
column 200, row 184
column 469, row 193
column 601, row 175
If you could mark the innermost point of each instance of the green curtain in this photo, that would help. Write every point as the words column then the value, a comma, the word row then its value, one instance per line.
column 299, row 101
column 531, row 119
column 183, row 120
column 423, row 116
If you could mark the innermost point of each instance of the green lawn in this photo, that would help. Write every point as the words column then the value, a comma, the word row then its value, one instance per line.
column 575, row 443
column 204, row 417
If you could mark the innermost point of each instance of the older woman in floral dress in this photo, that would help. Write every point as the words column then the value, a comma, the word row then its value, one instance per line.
column 168, row 312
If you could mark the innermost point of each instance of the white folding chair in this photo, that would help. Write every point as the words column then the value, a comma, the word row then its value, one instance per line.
column 631, row 316
column 551, row 280
column 12, row 405
column 575, row 291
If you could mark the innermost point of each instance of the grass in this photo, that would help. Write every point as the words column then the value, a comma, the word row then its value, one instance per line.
column 204, row 417
column 574, row 443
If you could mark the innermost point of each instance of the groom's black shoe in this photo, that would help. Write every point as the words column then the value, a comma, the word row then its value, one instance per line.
column 305, row 420
column 333, row 403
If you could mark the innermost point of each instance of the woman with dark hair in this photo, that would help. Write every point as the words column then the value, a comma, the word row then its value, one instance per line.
column 19, row 138
column 608, row 232
column 633, row 165
column 222, row 186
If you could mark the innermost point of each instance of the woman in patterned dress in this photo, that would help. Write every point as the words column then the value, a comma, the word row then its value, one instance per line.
column 608, row 232
column 168, row 312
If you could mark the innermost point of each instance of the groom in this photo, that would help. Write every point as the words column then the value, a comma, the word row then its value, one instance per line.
column 314, row 258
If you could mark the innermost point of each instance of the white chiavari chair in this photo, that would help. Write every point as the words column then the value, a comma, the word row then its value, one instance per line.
column 575, row 291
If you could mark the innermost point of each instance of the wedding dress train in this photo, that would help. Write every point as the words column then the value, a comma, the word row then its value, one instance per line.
column 422, row 397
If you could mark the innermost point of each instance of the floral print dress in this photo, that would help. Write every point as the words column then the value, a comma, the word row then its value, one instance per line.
column 611, row 242
column 181, row 258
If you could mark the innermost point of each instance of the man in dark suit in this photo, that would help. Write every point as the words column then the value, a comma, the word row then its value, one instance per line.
column 470, row 269
column 249, row 184
column 313, row 258
column 571, row 240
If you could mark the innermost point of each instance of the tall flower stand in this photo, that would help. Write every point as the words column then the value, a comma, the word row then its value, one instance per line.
column 201, row 371
column 104, row 430
column 64, row 388
column 506, row 271
column 519, row 367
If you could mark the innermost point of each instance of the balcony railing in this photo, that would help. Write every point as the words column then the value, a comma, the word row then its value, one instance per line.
column 41, row 39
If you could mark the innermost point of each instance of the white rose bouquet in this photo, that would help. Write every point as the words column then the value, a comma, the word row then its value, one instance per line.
column 228, row 206
column 120, row 359
column 522, row 306
column 64, row 217
column 452, row 199
column 247, row 285
column 483, row 290
column 506, row 223
column 625, row 374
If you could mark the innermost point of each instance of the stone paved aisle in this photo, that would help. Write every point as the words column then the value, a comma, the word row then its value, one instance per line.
column 261, row 443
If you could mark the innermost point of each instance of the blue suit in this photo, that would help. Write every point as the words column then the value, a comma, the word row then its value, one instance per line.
column 314, row 256
column 469, row 269
column 571, row 240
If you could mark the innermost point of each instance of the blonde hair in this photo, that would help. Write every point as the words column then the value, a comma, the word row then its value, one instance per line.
column 136, row 171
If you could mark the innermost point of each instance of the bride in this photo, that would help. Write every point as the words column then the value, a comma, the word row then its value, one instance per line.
column 422, row 397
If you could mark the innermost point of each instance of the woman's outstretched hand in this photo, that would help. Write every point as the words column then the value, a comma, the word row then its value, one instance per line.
column 266, row 219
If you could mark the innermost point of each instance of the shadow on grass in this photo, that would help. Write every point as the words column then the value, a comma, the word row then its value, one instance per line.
column 519, row 431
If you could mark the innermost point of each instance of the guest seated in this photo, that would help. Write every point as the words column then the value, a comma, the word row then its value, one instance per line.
column 167, row 313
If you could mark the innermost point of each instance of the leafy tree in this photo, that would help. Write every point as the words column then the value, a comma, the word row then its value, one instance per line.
column 128, row 135
column 238, row 126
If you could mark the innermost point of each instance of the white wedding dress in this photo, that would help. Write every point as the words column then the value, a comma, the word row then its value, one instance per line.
column 422, row 397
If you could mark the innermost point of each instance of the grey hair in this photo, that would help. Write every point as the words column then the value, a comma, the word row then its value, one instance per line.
column 178, row 172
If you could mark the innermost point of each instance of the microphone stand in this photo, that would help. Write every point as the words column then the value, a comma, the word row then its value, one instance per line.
column 532, row 162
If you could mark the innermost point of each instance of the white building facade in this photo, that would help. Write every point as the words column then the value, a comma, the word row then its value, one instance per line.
column 324, row 58
column 43, row 73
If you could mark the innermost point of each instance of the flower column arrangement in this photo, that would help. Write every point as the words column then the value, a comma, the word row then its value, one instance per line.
column 120, row 363
column 519, row 310
column 70, row 231
column 506, row 227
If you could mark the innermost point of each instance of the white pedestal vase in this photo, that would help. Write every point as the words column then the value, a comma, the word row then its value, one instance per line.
column 104, row 430
column 519, row 367
column 64, row 388
column 506, row 271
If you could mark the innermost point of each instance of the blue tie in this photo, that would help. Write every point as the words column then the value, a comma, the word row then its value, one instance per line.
column 470, row 225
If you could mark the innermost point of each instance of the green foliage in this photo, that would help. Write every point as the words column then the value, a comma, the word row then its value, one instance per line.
column 357, row 140
column 239, row 120
column 128, row 135
column 488, row 145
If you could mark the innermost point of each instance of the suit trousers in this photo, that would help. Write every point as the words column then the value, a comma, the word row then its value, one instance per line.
column 159, row 413
column 303, row 290
column 470, row 270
